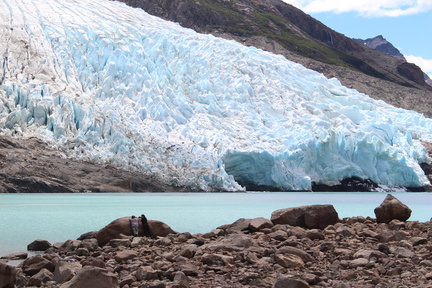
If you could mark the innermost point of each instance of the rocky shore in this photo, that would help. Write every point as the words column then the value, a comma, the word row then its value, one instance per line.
column 306, row 246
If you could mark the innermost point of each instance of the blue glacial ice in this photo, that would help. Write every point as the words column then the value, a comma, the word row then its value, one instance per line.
column 109, row 83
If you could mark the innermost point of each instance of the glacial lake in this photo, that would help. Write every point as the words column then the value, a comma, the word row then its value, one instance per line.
column 59, row 217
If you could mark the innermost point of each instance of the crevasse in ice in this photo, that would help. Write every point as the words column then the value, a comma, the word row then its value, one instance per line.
column 113, row 84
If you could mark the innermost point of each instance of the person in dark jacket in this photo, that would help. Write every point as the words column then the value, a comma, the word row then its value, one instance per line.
column 146, row 227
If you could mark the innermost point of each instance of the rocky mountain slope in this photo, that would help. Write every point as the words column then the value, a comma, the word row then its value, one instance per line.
column 30, row 166
column 381, row 44
column 280, row 28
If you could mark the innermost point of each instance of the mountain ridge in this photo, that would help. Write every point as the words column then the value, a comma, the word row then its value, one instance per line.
column 381, row 44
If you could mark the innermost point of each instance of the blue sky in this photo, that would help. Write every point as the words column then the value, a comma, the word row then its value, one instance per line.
column 407, row 24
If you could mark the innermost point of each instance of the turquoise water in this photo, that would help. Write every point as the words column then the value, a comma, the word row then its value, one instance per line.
column 59, row 217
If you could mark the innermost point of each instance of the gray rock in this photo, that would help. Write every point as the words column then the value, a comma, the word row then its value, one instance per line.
column 415, row 241
column 90, row 244
column 70, row 245
column 189, row 269
column 289, row 261
column 146, row 273
column 34, row 264
column 390, row 235
column 234, row 242
column 240, row 225
column 216, row 259
column 181, row 280
column 391, row 208
column 125, row 255
column 188, row 251
column 92, row 261
column 41, row 277
column 360, row 262
column 314, row 234
column 345, row 231
column 260, row 223
column 288, row 250
column 65, row 270
column 368, row 254
column 402, row 252
column 119, row 242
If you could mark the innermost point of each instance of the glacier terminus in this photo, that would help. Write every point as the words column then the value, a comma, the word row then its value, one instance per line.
column 112, row 84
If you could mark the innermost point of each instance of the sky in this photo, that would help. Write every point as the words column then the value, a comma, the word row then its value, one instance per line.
column 407, row 24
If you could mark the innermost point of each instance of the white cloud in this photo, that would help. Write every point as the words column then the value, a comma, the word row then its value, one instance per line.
column 366, row 8
column 424, row 64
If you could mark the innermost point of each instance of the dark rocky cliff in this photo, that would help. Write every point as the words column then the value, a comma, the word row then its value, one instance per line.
column 30, row 166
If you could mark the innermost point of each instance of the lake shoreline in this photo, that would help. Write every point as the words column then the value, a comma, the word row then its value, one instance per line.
column 59, row 216
column 354, row 251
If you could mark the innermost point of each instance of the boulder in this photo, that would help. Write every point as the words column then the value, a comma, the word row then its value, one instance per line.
column 41, row 277
column 288, row 250
column 65, row 270
column 391, row 208
column 216, row 259
column 289, row 261
column 146, row 273
column 311, row 216
column 39, row 245
column 92, row 261
column 34, row 264
column 259, row 223
column 119, row 242
column 70, row 245
column 125, row 255
column 90, row 244
column 122, row 226
column 7, row 276
column 240, row 225
column 93, row 277
column 234, row 242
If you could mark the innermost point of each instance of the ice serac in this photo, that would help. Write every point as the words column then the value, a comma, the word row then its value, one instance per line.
column 110, row 83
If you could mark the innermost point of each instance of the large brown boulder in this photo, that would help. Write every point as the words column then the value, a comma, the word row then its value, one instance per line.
column 391, row 208
column 122, row 226
column 311, row 216
column 7, row 275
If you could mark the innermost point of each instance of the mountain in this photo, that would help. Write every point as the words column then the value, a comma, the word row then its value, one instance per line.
column 381, row 44
column 103, row 82
column 275, row 26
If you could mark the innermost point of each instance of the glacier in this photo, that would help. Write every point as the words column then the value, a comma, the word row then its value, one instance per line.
column 113, row 84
